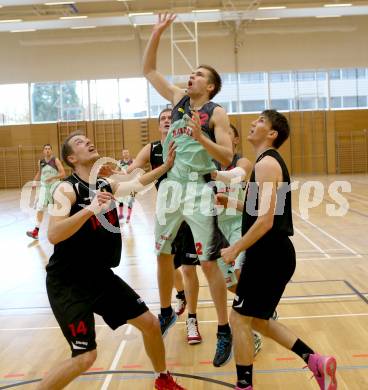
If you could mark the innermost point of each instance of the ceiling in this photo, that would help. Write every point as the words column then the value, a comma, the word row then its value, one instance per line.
column 24, row 15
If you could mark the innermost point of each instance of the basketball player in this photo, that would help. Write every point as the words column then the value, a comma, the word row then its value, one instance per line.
column 200, row 129
column 152, row 154
column 79, row 280
column 270, row 257
column 50, row 170
column 124, row 163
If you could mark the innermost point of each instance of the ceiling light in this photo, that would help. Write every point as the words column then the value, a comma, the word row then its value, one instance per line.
column 338, row 5
column 27, row 30
column 198, row 11
column 82, row 27
column 266, row 18
column 73, row 17
column 328, row 16
column 61, row 3
column 279, row 7
column 140, row 13
column 11, row 20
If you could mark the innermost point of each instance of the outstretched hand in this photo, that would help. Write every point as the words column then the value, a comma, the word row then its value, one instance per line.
column 164, row 21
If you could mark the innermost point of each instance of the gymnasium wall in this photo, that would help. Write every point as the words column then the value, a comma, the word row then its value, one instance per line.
column 321, row 142
column 116, row 52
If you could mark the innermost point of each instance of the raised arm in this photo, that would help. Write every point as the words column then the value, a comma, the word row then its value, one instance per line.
column 162, row 86
column 138, row 184
column 143, row 158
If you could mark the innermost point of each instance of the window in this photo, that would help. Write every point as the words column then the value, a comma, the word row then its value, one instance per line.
column 335, row 74
column 105, row 99
column 336, row 102
column 307, row 103
column 362, row 101
column 279, row 77
column 253, row 105
column 281, row 104
column 252, row 78
column 305, row 76
column 362, row 73
column 46, row 105
column 157, row 102
column 133, row 97
column 228, row 91
column 349, row 74
column 74, row 100
column 14, row 104
column 350, row 101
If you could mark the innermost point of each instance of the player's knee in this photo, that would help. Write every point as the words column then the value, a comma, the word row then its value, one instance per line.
column 85, row 360
column 209, row 267
column 148, row 324
column 189, row 271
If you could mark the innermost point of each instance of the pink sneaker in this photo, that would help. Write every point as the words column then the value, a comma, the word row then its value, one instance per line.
column 324, row 370
column 247, row 388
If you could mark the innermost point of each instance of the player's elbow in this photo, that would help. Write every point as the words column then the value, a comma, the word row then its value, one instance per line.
column 227, row 158
column 53, row 236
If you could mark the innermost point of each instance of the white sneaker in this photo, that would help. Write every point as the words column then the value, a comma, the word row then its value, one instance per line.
column 193, row 335
column 180, row 306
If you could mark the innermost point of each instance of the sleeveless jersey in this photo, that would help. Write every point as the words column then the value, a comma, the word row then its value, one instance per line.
column 191, row 156
column 93, row 248
column 239, row 188
column 48, row 169
column 156, row 159
column 125, row 164
column 283, row 221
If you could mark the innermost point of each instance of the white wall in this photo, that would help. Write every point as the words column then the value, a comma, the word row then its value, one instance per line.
column 279, row 45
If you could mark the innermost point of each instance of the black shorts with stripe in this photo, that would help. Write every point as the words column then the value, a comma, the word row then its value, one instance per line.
column 74, row 304
column 268, row 267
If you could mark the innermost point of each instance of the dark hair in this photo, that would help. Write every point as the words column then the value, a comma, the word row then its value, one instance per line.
column 213, row 79
column 235, row 130
column 280, row 124
column 66, row 149
column 44, row 146
column 164, row 110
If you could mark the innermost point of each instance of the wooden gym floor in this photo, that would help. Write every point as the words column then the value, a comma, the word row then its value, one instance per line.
column 326, row 305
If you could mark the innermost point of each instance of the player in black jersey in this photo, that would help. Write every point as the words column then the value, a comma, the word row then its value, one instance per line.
column 270, row 256
column 84, row 228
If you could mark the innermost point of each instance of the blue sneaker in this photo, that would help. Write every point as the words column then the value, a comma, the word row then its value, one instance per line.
column 223, row 349
column 167, row 322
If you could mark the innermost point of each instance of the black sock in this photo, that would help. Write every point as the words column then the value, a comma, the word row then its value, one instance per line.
column 245, row 376
column 37, row 228
column 166, row 311
column 180, row 295
column 224, row 329
column 302, row 350
column 192, row 315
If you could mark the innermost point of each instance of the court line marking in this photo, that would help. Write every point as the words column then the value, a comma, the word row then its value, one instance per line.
column 328, row 235
column 122, row 345
column 117, row 357
column 312, row 243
